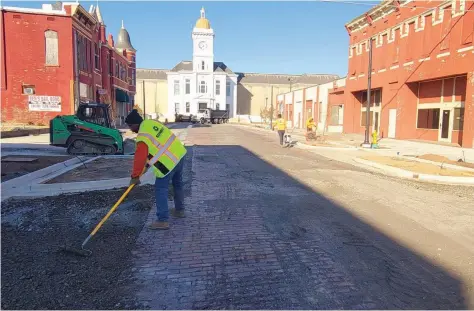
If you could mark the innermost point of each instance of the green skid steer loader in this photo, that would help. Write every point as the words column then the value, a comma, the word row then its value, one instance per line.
column 89, row 132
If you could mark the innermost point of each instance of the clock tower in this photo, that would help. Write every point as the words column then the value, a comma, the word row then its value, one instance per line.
column 203, row 45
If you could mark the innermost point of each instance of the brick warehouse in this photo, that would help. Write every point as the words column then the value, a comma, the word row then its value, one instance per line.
column 57, row 56
column 422, row 72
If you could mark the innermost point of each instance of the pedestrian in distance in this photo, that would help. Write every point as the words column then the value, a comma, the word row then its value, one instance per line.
column 158, row 149
column 280, row 125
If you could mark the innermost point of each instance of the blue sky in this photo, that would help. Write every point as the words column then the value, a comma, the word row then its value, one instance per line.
column 264, row 37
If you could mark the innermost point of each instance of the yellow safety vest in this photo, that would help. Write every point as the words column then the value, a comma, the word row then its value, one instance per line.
column 164, row 149
column 280, row 124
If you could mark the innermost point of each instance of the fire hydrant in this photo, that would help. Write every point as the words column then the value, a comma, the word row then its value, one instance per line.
column 375, row 143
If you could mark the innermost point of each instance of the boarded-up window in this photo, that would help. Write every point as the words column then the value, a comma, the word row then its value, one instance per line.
column 446, row 30
column 458, row 119
column 427, row 39
column 336, row 115
column 467, row 28
column 412, row 44
column 363, row 118
column 51, row 51
column 428, row 118
column 396, row 46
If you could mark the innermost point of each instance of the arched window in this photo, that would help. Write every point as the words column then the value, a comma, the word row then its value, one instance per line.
column 203, row 87
column 51, row 47
column 203, row 65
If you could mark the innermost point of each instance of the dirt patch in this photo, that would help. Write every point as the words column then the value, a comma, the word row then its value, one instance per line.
column 323, row 144
column 442, row 159
column 100, row 169
column 36, row 275
column 417, row 167
column 12, row 170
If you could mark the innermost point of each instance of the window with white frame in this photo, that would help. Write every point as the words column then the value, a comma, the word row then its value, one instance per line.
column 176, row 87
column 203, row 65
column 51, row 47
column 203, row 87
column 188, row 86
column 176, row 108
column 218, row 87
column 187, row 107
column 133, row 77
column 217, row 106
column 227, row 88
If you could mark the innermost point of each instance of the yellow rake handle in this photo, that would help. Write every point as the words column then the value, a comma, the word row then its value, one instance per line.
column 124, row 195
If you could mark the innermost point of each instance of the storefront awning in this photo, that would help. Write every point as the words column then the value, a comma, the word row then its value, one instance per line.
column 121, row 96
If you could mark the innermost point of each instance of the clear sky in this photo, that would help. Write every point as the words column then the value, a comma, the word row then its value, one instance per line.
column 264, row 37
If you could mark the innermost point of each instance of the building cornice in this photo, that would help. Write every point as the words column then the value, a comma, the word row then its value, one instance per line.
column 33, row 11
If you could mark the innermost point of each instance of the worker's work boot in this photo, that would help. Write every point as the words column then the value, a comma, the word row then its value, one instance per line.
column 159, row 225
column 177, row 214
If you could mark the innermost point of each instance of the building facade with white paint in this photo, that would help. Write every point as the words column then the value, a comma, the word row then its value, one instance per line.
column 201, row 83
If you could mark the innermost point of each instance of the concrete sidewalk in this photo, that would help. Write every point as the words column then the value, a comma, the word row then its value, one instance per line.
column 347, row 152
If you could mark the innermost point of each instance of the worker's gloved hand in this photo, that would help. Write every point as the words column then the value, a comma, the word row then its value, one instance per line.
column 135, row 181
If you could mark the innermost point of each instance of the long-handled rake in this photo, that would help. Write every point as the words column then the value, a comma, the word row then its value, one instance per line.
column 85, row 252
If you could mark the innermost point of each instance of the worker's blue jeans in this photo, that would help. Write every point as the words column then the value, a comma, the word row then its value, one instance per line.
column 161, row 192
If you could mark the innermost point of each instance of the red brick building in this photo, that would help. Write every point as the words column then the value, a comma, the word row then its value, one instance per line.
column 422, row 71
column 57, row 56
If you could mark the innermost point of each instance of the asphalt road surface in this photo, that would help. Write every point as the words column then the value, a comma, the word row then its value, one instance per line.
column 269, row 228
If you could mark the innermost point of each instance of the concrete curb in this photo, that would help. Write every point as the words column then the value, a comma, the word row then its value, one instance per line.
column 45, row 190
column 24, row 132
column 447, row 165
column 35, row 188
column 31, row 177
column 398, row 172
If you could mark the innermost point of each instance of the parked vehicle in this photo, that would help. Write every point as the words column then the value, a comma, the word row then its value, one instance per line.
column 213, row 116
column 186, row 118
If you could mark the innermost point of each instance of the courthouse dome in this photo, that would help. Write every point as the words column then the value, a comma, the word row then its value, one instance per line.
column 203, row 22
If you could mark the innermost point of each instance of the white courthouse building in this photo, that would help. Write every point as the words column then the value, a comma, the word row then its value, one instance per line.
column 204, row 83
column 201, row 83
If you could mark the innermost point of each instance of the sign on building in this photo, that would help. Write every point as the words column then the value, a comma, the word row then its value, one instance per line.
column 44, row 103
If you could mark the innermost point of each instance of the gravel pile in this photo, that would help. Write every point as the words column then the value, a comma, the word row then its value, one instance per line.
column 37, row 275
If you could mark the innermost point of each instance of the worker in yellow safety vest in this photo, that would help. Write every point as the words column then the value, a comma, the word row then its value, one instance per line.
column 280, row 125
column 310, row 124
column 158, row 149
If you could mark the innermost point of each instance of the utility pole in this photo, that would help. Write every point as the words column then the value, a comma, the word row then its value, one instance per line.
column 144, row 106
column 369, row 85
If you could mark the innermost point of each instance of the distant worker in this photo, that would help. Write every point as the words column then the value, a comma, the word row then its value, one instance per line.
column 159, row 149
column 280, row 125
column 310, row 124
column 309, row 128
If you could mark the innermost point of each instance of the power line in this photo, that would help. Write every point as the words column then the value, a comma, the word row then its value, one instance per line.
column 388, row 5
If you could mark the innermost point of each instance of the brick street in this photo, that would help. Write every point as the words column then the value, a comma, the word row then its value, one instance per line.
column 273, row 228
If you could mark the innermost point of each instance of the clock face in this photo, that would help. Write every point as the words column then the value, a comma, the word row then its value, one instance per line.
column 202, row 45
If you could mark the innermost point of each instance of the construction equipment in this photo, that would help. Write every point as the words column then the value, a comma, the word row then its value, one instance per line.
column 209, row 115
column 89, row 132
column 85, row 252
